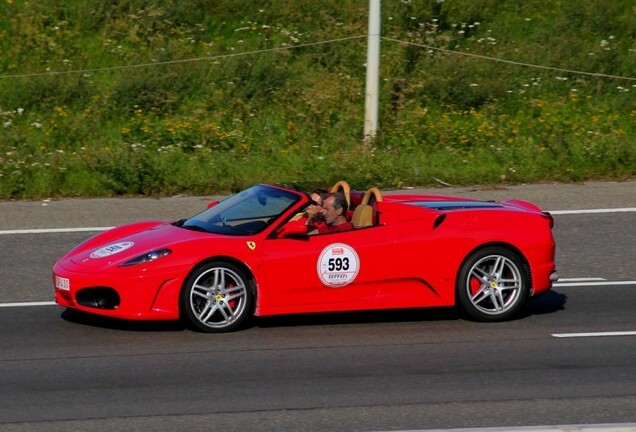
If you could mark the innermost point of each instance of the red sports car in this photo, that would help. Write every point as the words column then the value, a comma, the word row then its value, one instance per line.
column 251, row 255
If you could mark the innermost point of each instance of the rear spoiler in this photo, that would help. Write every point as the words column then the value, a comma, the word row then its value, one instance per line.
column 526, row 205
column 531, row 207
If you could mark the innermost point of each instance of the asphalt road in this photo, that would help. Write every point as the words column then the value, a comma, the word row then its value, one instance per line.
column 399, row 370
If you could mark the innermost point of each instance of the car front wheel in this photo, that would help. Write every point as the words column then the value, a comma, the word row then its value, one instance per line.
column 493, row 284
column 217, row 297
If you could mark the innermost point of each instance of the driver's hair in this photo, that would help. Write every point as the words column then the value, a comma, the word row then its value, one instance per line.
column 340, row 202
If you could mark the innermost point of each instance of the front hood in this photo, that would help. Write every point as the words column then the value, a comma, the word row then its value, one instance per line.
column 116, row 251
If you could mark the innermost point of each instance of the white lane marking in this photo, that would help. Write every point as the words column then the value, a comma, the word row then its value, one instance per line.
column 601, row 283
column 588, row 279
column 604, row 427
column 581, row 282
column 23, row 304
column 594, row 334
column 66, row 230
column 53, row 230
column 588, row 211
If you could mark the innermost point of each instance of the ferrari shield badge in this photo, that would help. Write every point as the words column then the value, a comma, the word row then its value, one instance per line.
column 251, row 245
column 338, row 265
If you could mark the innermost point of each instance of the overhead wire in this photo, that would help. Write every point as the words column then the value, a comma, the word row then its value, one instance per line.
column 516, row 63
column 310, row 44
column 171, row 62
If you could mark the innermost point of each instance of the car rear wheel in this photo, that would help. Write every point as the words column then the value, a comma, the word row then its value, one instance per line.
column 217, row 297
column 493, row 284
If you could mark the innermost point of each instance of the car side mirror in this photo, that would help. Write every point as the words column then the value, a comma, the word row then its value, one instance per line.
column 295, row 228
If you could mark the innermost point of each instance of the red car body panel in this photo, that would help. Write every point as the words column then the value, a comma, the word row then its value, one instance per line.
column 410, row 258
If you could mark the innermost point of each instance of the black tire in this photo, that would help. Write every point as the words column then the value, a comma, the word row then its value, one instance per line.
column 217, row 297
column 493, row 284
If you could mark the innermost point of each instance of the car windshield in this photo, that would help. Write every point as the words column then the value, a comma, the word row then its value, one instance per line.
column 246, row 213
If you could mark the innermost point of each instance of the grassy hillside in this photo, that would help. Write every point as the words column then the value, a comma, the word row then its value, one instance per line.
column 113, row 97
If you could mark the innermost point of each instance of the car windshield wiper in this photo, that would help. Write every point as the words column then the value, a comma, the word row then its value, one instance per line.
column 179, row 223
column 194, row 228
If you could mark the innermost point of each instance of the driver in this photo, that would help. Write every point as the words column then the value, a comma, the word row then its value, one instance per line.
column 334, row 211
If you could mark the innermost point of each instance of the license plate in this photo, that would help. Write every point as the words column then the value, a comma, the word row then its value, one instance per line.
column 62, row 283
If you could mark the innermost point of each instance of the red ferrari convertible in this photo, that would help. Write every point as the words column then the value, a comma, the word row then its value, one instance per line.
column 248, row 255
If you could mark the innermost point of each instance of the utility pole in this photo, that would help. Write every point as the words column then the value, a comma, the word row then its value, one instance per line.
column 373, row 72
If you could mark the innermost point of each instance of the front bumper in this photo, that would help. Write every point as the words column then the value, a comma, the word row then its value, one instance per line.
column 134, row 295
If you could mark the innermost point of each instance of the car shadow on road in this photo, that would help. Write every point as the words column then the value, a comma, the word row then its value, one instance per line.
column 548, row 303
column 78, row 317
column 360, row 317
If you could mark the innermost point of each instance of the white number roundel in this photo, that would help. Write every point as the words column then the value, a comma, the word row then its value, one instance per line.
column 111, row 249
column 338, row 265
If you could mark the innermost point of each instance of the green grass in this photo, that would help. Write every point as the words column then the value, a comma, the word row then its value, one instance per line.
column 295, row 116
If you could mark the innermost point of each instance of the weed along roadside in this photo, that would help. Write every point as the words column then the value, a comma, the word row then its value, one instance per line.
column 213, row 102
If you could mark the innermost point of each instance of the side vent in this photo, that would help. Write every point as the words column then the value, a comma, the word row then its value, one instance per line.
column 438, row 220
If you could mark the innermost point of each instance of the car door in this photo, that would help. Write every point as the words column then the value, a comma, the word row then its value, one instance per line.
column 326, row 271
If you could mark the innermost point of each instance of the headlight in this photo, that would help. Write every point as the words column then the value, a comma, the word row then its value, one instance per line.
column 148, row 257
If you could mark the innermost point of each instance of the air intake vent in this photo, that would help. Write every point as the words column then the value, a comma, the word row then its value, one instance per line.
column 98, row 297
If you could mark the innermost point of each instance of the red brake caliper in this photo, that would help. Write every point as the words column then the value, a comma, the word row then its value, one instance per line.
column 474, row 284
